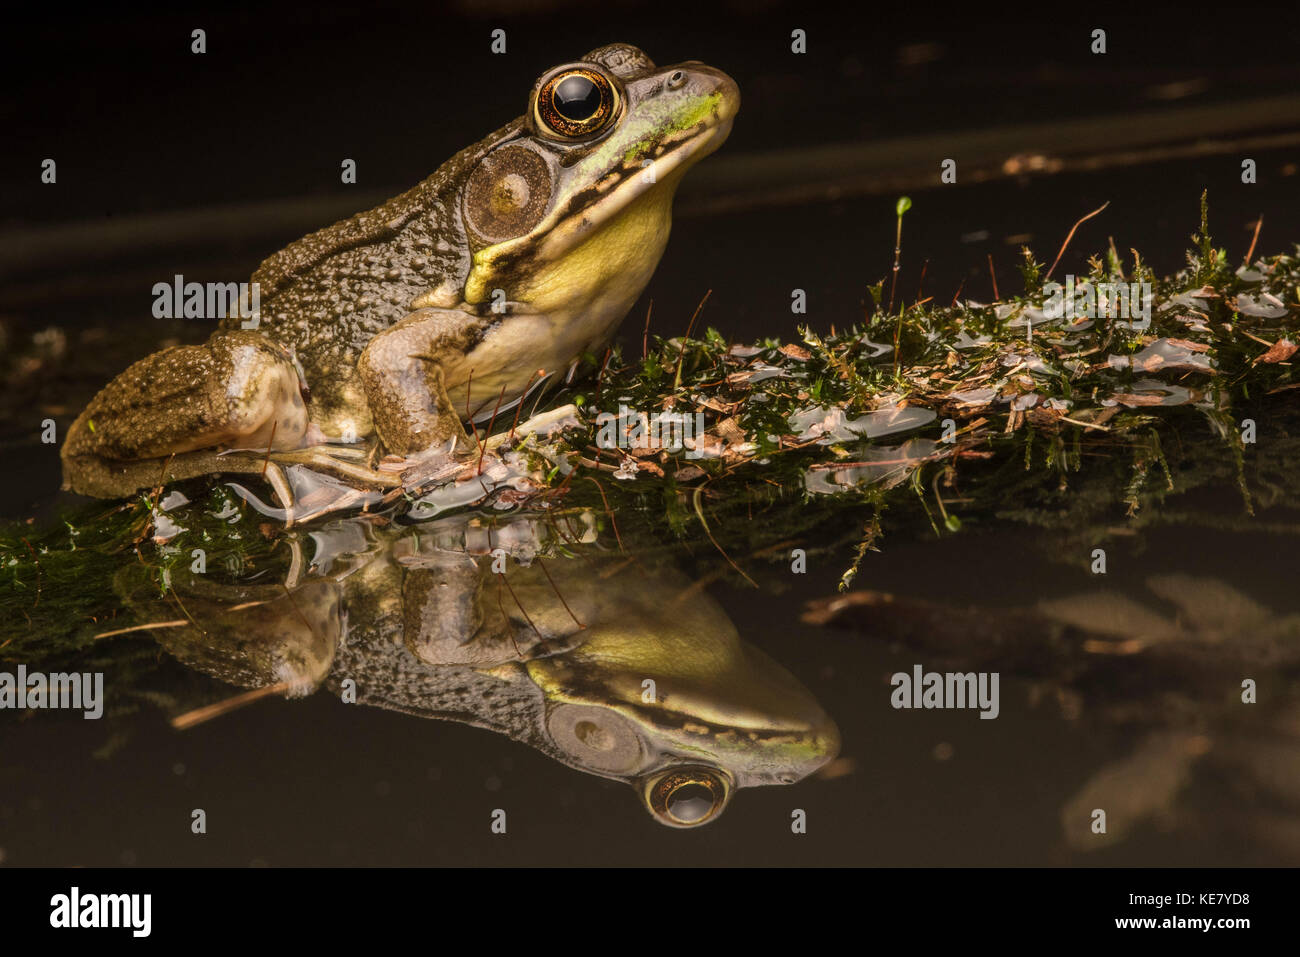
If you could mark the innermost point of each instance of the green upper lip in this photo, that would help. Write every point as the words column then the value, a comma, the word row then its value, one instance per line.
column 728, row 91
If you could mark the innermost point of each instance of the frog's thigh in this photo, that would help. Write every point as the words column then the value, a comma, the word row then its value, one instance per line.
column 239, row 390
column 402, row 373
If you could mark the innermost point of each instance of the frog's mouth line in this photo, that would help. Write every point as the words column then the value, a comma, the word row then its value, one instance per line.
column 588, row 210
column 692, row 738
column 727, row 739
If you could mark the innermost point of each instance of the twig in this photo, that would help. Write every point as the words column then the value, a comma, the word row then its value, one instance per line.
column 699, row 511
column 681, row 355
column 491, row 422
column 645, row 333
column 898, row 251
column 1086, row 425
column 608, row 511
column 270, row 443
column 1071, row 236
column 1258, row 223
column 511, row 589
column 519, row 406
column 609, row 351
column 542, row 565
column 502, row 605
column 178, row 623
column 190, row 718
column 469, row 381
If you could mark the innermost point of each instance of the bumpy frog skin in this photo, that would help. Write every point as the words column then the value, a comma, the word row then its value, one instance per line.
column 518, row 255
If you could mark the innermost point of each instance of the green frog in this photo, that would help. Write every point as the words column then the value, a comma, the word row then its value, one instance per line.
column 451, row 301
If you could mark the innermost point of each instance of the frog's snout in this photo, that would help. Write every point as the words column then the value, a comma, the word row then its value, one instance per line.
column 707, row 81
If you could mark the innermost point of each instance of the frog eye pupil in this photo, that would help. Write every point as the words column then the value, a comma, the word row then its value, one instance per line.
column 690, row 802
column 576, row 98
column 575, row 102
column 686, row 796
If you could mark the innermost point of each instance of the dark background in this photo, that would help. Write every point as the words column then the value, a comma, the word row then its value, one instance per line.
column 142, row 128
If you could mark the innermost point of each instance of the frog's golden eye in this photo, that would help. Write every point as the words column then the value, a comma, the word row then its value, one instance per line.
column 574, row 102
column 687, row 796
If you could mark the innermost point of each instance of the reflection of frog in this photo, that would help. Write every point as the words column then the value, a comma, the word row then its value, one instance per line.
column 655, row 688
column 520, row 254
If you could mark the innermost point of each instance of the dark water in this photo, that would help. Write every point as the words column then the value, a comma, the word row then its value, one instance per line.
column 317, row 781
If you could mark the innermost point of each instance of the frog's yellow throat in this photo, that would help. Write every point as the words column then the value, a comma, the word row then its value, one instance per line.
column 635, row 199
column 613, row 263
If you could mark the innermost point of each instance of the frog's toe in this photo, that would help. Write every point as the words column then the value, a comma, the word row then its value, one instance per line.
column 347, row 463
column 431, row 466
column 275, row 477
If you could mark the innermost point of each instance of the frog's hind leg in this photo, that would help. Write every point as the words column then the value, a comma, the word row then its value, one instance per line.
column 97, row 473
column 345, row 463
column 165, row 417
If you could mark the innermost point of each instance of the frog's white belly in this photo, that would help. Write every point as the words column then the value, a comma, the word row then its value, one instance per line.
column 513, row 354
column 567, row 307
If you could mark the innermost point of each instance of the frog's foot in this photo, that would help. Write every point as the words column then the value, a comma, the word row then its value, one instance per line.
column 418, row 471
column 308, row 483
column 97, row 473
column 485, row 461
column 347, row 463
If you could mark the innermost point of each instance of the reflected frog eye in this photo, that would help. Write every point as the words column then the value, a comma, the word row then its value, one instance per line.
column 687, row 797
column 574, row 102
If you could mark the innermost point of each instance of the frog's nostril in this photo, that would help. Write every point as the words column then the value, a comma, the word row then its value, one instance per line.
column 676, row 79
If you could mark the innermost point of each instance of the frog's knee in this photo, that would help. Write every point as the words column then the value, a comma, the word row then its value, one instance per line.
column 255, row 398
column 397, row 352
column 238, row 391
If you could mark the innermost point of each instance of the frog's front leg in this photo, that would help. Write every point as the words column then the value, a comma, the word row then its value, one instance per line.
column 161, row 419
column 402, row 371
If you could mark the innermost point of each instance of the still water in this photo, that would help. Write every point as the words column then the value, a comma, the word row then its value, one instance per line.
column 479, row 699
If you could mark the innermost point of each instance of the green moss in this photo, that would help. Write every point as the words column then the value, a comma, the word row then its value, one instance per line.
column 1086, row 446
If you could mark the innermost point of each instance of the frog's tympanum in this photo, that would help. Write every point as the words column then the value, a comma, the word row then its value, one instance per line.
column 380, row 333
column 634, row 675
